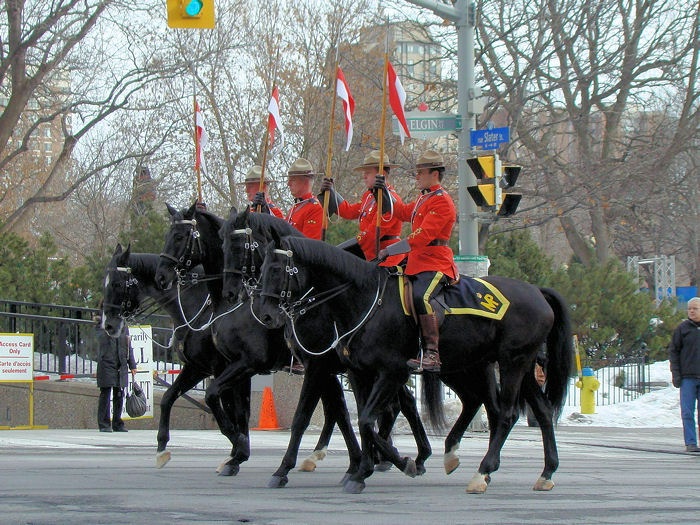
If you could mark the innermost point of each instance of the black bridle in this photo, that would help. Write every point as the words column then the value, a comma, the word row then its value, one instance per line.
column 130, row 301
column 193, row 251
column 247, row 268
column 306, row 302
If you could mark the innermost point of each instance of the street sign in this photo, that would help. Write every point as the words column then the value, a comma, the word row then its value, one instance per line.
column 488, row 139
column 428, row 124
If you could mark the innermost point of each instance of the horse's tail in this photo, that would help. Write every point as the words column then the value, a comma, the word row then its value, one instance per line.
column 432, row 396
column 560, row 351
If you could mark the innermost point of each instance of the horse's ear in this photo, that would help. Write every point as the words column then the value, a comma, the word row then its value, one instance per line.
column 191, row 210
column 232, row 213
column 117, row 250
column 172, row 211
column 127, row 252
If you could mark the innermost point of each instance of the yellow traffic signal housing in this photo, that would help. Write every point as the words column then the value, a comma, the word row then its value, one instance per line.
column 483, row 167
column 191, row 14
column 492, row 179
column 485, row 193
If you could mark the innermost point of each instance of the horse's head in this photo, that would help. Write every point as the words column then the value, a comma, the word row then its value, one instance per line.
column 281, row 283
column 242, row 258
column 245, row 237
column 120, row 292
column 183, row 247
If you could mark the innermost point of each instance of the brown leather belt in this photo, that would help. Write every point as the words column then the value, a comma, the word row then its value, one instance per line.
column 389, row 237
column 439, row 242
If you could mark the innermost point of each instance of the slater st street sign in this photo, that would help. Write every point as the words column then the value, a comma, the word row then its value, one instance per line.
column 489, row 139
column 428, row 124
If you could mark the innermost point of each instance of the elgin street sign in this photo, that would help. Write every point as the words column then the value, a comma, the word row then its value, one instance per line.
column 429, row 124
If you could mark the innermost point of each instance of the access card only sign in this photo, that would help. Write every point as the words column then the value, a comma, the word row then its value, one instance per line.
column 16, row 357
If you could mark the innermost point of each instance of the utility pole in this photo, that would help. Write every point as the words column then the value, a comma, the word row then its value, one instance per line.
column 463, row 14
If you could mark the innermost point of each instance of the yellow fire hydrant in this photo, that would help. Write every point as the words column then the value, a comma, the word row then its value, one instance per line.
column 588, row 385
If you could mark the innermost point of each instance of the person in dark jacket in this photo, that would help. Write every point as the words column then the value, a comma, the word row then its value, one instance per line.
column 684, row 354
column 115, row 358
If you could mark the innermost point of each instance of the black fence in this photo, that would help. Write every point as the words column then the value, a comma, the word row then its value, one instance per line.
column 64, row 336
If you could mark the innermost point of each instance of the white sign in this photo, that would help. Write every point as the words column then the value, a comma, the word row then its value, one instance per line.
column 142, row 345
column 16, row 357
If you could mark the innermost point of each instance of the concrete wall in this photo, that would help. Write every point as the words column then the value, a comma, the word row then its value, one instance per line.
column 73, row 404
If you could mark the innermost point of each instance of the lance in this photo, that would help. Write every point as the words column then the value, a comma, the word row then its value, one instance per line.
column 382, row 128
column 329, row 155
column 266, row 146
column 197, row 155
column 197, row 145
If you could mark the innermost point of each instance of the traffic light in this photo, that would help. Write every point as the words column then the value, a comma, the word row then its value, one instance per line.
column 191, row 14
column 510, row 201
column 492, row 179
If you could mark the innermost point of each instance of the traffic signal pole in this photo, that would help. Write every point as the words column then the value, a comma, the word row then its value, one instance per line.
column 463, row 14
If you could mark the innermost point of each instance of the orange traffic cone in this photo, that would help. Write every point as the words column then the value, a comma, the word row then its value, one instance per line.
column 268, row 415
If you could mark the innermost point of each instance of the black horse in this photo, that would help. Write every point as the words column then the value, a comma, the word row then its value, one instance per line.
column 245, row 236
column 248, row 346
column 128, row 284
column 378, row 338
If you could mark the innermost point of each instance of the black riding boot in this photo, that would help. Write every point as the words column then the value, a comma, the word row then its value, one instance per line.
column 431, row 335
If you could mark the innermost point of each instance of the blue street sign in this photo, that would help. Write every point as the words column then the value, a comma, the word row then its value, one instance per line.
column 487, row 139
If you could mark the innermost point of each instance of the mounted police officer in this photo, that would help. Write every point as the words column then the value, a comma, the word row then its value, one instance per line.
column 365, row 211
column 430, row 262
column 306, row 214
column 259, row 199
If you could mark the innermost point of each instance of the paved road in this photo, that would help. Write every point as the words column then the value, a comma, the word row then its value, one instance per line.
column 84, row 477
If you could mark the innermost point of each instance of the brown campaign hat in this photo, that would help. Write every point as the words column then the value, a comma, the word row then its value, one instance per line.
column 253, row 175
column 372, row 161
column 301, row 168
column 430, row 159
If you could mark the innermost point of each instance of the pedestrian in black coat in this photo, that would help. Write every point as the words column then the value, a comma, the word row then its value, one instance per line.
column 115, row 358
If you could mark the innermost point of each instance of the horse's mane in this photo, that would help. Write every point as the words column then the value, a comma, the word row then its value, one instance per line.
column 216, row 221
column 143, row 263
column 268, row 225
column 336, row 260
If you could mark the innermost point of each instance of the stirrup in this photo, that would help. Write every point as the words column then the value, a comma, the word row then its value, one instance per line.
column 429, row 362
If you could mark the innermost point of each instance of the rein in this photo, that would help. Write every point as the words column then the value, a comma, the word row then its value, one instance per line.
column 301, row 307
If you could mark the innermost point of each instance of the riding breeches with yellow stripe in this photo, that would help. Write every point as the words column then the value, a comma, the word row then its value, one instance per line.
column 425, row 285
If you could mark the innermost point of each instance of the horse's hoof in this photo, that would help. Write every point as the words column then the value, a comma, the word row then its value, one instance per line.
column 162, row 458
column 410, row 469
column 478, row 484
column 420, row 469
column 451, row 462
column 223, row 464
column 345, row 479
column 277, row 482
column 383, row 466
column 229, row 470
column 354, row 487
column 543, row 484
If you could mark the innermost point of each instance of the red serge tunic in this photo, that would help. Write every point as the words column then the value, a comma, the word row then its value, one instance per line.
column 432, row 217
column 274, row 210
column 306, row 215
column 366, row 213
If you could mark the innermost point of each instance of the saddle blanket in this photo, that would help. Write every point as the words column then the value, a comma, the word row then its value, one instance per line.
column 469, row 296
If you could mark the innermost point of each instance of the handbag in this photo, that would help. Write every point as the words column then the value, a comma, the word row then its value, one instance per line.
column 136, row 402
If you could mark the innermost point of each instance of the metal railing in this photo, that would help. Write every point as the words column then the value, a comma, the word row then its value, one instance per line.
column 64, row 337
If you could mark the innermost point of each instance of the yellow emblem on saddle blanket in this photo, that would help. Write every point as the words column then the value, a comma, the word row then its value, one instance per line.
column 469, row 296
